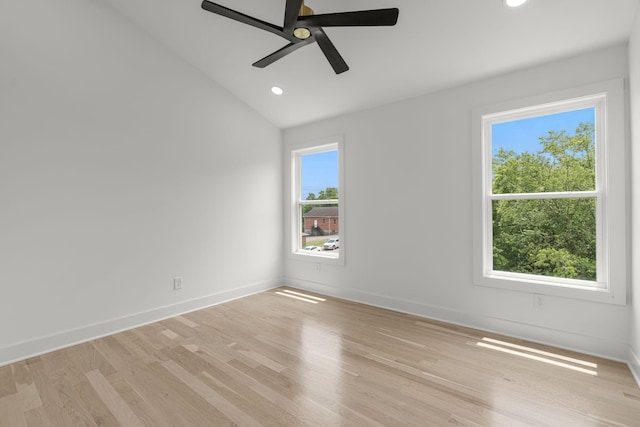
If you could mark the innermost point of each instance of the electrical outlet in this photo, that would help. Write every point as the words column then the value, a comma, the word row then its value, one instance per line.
column 538, row 300
column 177, row 283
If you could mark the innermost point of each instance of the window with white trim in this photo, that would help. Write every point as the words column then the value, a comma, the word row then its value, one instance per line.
column 549, row 184
column 317, row 213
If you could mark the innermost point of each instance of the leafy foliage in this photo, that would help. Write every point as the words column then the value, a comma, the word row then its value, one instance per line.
column 550, row 237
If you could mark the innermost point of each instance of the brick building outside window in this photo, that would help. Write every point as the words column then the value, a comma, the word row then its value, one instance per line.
column 322, row 221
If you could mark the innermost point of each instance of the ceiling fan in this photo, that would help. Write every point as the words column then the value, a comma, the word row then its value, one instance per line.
column 301, row 27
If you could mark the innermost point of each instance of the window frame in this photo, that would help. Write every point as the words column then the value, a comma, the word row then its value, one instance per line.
column 293, row 217
column 610, row 194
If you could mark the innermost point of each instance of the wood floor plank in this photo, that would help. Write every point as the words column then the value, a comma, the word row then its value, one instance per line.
column 7, row 383
column 117, row 354
column 268, row 360
column 53, row 409
column 11, row 414
column 89, row 400
column 255, row 392
column 39, row 418
column 29, row 397
column 138, row 349
column 27, row 390
column 118, row 407
column 210, row 395
column 186, row 321
column 180, row 327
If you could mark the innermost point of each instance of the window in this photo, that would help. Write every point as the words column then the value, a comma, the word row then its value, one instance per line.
column 317, row 202
column 549, row 211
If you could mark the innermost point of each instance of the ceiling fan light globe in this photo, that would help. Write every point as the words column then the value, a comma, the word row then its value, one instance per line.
column 301, row 33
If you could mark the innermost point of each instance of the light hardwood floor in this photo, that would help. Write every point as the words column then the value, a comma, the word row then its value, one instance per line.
column 274, row 360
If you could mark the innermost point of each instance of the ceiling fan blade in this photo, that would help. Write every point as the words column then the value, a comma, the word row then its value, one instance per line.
column 330, row 51
column 280, row 53
column 362, row 18
column 291, row 11
column 245, row 19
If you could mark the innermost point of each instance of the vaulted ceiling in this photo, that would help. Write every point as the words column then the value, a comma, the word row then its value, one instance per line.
column 436, row 44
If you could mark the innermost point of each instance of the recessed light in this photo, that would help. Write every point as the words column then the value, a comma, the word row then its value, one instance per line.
column 514, row 3
column 277, row 90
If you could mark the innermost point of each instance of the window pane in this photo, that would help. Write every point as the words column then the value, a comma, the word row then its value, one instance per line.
column 548, row 237
column 320, row 223
column 319, row 175
column 550, row 153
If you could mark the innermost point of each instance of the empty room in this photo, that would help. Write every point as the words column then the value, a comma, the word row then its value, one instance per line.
column 320, row 213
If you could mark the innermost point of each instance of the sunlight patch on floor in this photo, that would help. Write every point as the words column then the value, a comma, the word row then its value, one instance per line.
column 301, row 296
column 539, row 355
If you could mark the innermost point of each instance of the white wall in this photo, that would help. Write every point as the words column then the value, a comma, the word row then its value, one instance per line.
column 121, row 167
column 408, row 166
column 634, row 73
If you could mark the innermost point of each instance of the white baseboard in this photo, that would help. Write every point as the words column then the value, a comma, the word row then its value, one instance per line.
column 596, row 346
column 634, row 365
column 46, row 344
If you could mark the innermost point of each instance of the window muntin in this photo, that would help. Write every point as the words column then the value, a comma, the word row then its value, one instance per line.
column 317, row 209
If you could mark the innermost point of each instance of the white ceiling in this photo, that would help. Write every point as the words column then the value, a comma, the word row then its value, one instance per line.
column 436, row 44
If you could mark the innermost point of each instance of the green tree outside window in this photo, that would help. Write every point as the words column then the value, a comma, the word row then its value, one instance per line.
column 550, row 237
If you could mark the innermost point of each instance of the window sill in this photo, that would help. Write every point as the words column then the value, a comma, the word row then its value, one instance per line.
column 571, row 290
column 329, row 257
